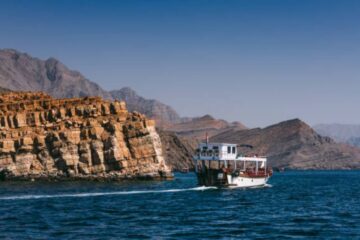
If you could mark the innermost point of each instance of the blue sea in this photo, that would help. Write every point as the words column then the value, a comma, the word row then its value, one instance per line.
column 296, row 204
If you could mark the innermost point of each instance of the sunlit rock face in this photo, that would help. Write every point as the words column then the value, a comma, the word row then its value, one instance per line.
column 42, row 137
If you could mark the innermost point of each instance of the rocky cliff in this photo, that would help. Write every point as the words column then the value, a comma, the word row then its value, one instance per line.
column 178, row 151
column 42, row 137
column 293, row 144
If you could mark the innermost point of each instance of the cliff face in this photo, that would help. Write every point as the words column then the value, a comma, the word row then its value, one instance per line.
column 178, row 151
column 21, row 72
column 79, row 138
column 293, row 144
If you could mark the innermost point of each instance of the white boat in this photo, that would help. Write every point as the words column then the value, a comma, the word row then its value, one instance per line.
column 219, row 164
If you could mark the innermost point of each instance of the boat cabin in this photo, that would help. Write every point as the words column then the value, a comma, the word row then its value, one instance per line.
column 217, row 151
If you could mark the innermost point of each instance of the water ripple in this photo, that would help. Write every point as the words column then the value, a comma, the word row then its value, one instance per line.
column 297, row 204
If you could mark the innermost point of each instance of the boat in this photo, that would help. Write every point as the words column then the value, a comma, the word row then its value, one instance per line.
column 220, row 165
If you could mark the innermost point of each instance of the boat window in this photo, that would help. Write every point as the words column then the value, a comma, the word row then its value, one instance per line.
column 229, row 150
column 203, row 153
column 234, row 150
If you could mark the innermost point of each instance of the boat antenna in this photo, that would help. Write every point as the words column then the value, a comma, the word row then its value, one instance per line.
column 207, row 138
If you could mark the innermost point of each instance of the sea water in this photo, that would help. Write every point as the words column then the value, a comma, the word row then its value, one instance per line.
column 295, row 204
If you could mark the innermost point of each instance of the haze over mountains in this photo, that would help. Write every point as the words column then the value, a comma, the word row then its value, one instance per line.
column 289, row 144
column 345, row 133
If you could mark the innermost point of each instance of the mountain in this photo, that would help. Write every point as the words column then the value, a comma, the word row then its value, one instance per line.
column 346, row 133
column 178, row 151
column 21, row 72
column 197, row 128
column 293, row 144
column 163, row 114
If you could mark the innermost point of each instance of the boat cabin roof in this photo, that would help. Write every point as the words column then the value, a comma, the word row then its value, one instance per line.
column 217, row 144
column 224, row 152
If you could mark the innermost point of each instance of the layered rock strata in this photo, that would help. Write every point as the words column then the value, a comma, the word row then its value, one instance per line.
column 42, row 137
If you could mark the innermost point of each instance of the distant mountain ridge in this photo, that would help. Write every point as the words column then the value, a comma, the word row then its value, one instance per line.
column 21, row 72
column 162, row 113
column 199, row 127
column 345, row 133
column 168, row 119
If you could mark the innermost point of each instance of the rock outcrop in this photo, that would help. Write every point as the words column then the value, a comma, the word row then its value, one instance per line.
column 42, row 137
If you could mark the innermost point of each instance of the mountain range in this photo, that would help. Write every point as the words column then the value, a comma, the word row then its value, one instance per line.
column 294, row 144
column 22, row 72
column 289, row 144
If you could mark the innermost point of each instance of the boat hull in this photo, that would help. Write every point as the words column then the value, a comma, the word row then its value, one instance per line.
column 245, row 182
column 212, row 177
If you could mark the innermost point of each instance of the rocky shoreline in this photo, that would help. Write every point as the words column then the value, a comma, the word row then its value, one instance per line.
column 108, row 177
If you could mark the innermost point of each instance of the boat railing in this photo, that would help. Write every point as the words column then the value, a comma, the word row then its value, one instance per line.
column 261, row 172
column 250, row 155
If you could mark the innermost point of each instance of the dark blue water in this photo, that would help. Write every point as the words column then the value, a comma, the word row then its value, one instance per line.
column 300, row 204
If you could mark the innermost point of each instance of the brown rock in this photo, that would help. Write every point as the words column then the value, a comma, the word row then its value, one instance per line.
column 76, row 137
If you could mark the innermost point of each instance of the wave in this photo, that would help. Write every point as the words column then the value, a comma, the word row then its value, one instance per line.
column 95, row 194
column 266, row 185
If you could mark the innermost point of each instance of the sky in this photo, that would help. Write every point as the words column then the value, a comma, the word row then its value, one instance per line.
column 255, row 61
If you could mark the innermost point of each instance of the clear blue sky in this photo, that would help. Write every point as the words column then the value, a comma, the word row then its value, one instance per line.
column 259, row 62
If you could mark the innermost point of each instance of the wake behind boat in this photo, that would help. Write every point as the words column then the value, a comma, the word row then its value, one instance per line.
column 219, row 164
